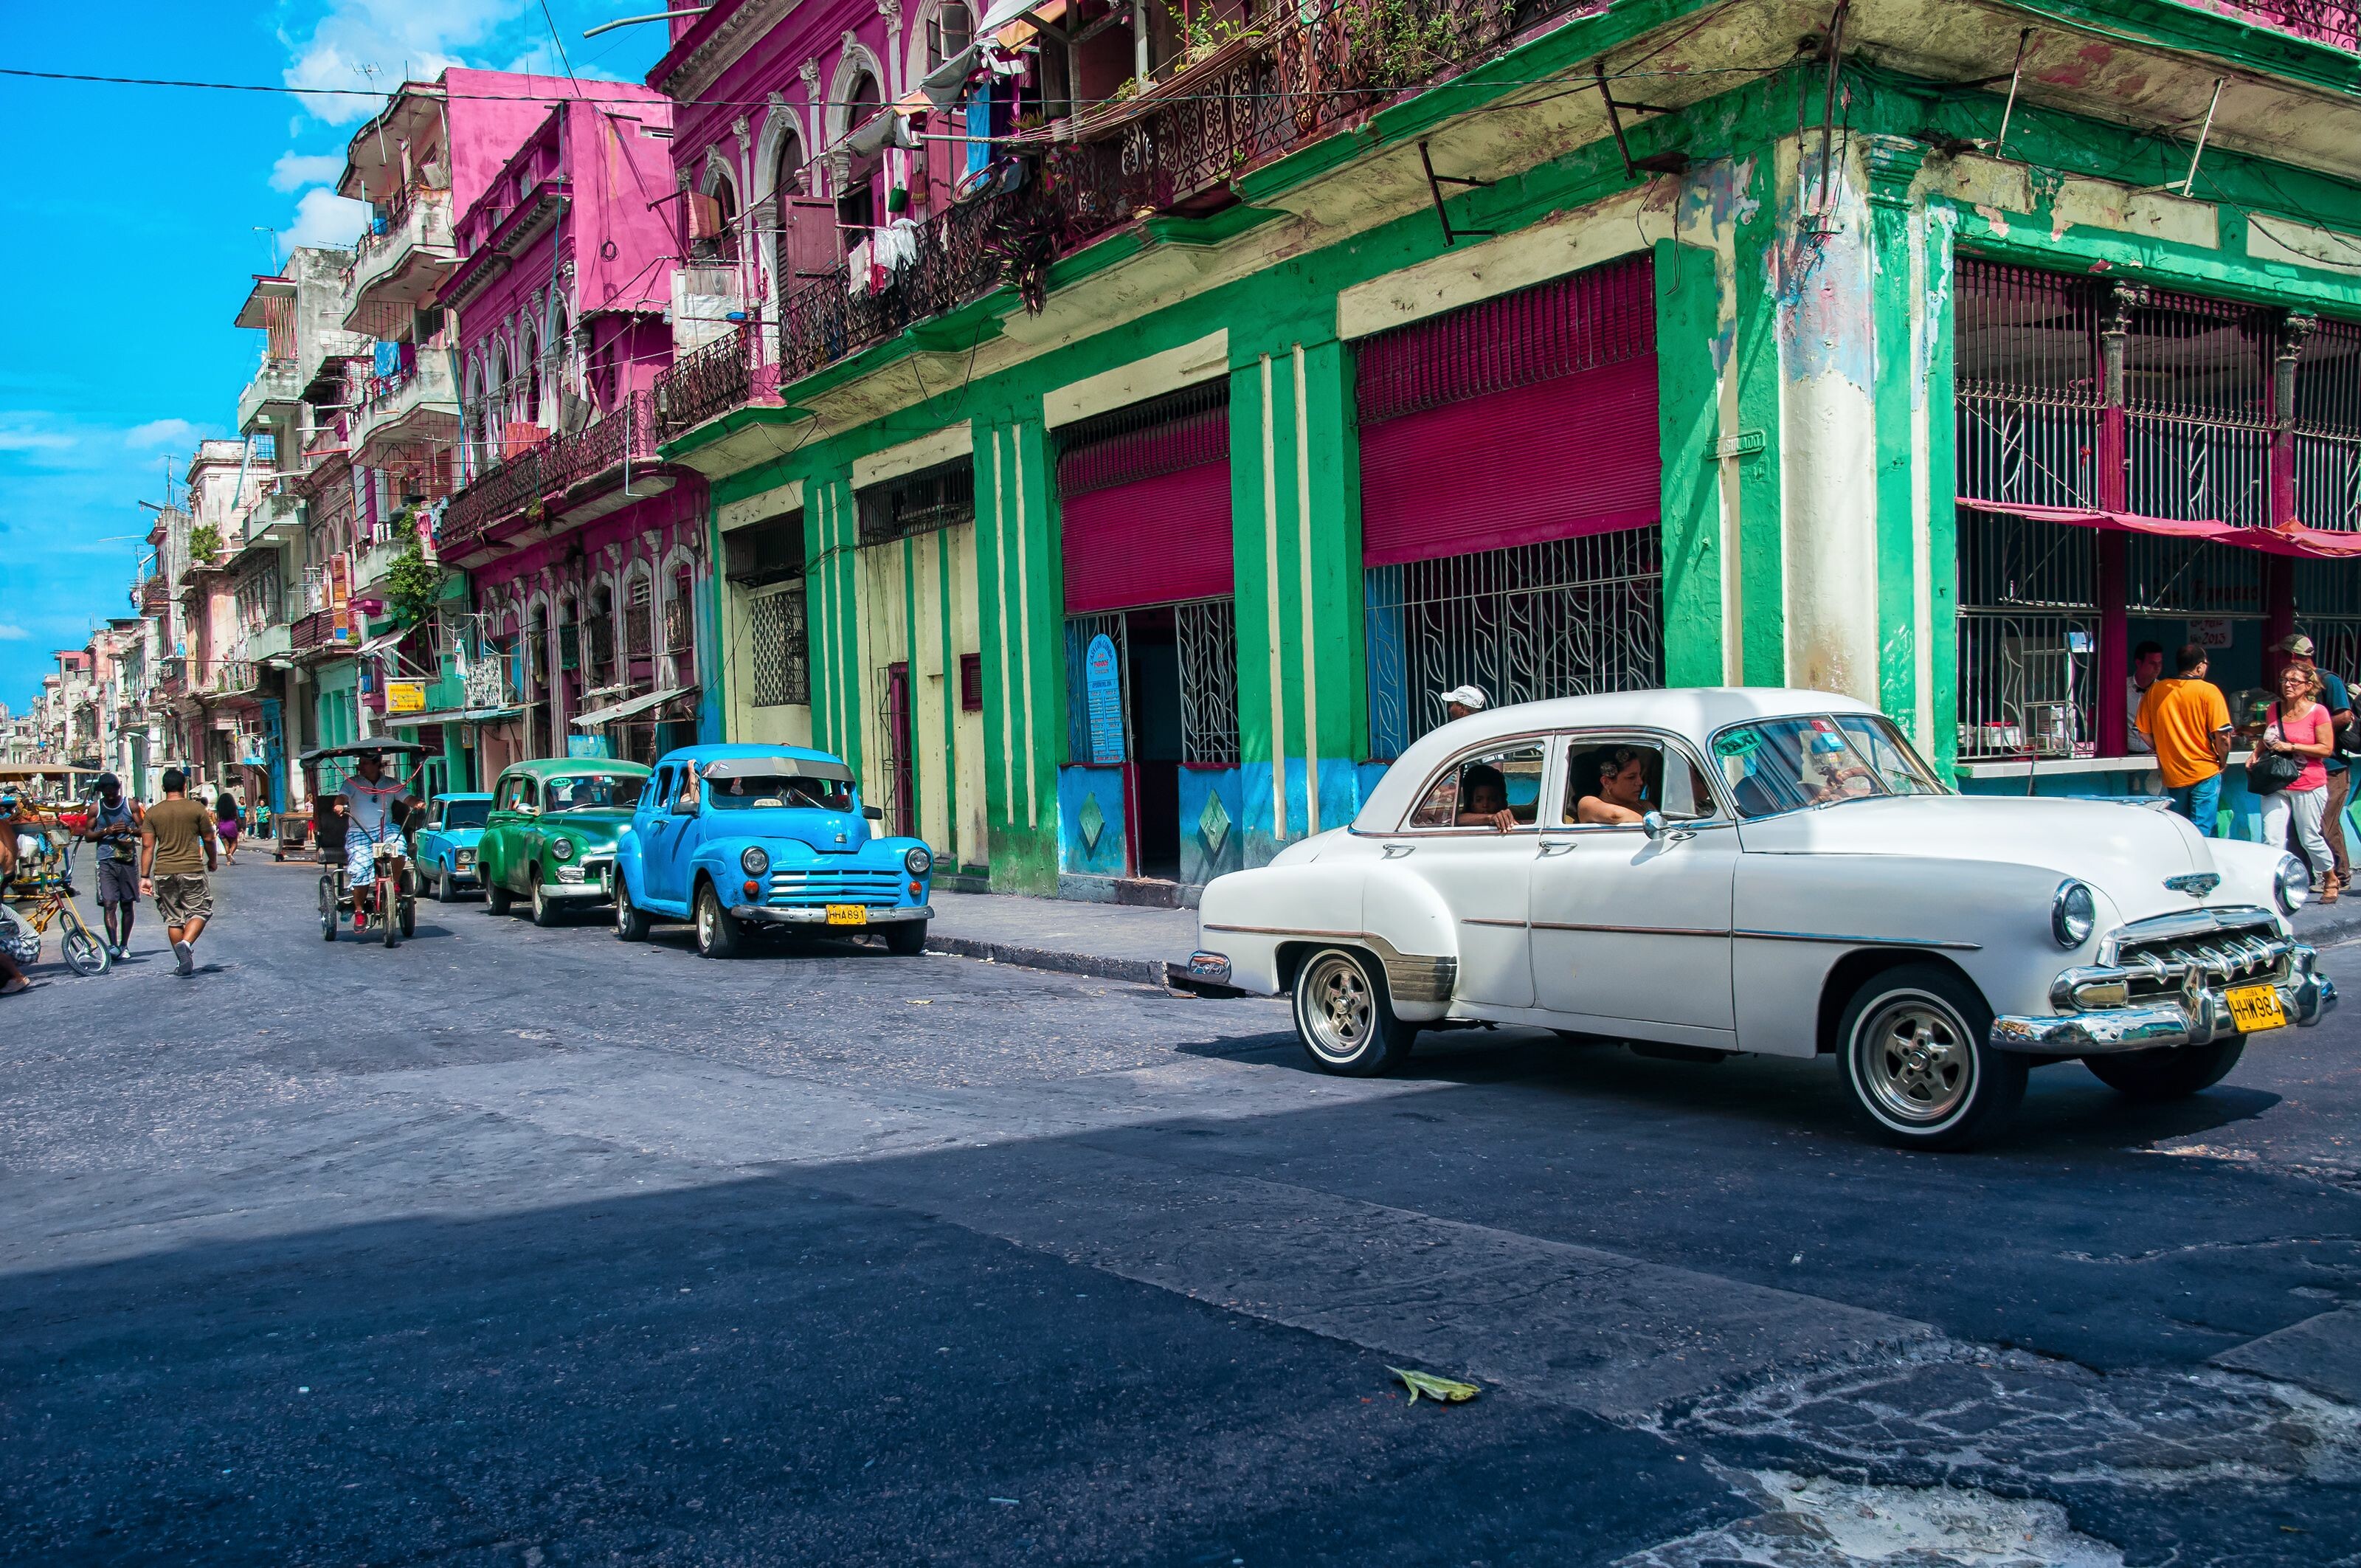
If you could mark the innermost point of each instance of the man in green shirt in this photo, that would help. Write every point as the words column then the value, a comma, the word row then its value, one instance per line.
column 180, row 846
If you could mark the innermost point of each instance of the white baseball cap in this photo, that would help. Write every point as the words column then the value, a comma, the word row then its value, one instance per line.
column 1470, row 697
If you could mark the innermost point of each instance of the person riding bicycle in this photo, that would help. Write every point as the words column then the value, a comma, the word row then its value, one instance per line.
column 377, row 808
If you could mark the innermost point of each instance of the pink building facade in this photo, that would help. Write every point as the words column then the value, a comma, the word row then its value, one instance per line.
column 585, row 556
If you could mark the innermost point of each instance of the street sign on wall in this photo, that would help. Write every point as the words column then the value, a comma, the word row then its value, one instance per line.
column 1103, row 691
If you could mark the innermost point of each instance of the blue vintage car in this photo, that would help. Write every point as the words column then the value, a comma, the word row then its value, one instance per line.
column 445, row 849
column 733, row 836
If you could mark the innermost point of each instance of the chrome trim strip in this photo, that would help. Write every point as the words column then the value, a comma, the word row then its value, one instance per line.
column 1413, row 976
column 817, row 915
column 1635, row 930
column 1512, row 925
column 1857, row 941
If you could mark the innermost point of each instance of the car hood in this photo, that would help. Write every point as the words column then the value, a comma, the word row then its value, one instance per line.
column 822, row 832
column 2124, row 850
column 586, row 824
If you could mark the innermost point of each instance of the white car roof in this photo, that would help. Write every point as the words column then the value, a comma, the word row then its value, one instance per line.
column 1693, row 713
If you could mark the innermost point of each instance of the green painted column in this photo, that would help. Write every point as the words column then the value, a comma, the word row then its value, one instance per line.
column 1020, row 585
column 832, row 616
column 1898, row 307
column 1759, row 617
column 1295, row 517
column 1690, row 346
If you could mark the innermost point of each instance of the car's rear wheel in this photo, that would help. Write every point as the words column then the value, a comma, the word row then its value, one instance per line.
column 1917, row 1059
column 906, row 939
column 2171, row 1072
column 717, row 935
column 1345, row 1018
column 630, row 924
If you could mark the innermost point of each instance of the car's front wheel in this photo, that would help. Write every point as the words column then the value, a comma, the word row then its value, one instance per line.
column 2172, row 1072
column 546, row 912
column 496, row 896
column 908, row 940
column 1917, row 1061
column 631, row 925
column 1344, row 1018
column 717, row 935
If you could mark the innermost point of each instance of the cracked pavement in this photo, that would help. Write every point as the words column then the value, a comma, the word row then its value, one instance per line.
column 525, row 1247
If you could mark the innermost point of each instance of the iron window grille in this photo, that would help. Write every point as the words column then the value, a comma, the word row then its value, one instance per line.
column 1562, row 617
column 778, row 649
column 938, row 497
column 1208, row 635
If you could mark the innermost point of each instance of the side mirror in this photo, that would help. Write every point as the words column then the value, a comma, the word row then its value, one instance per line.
column 1653, row 824
column 874, row 813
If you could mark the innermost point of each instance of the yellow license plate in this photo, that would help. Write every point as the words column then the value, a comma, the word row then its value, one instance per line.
column 2257, row 1007
column 858, row 915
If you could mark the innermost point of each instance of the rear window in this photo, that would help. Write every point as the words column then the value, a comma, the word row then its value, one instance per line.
column 466, row 813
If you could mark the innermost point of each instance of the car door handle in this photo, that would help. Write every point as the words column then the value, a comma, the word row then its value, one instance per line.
column 1396, row 852
column 1556, row 847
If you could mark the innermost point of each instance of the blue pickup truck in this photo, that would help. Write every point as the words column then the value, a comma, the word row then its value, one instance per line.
column 733, row 837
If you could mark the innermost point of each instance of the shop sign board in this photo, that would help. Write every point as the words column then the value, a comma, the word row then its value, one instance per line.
column 405, row 696
column 1103, row 693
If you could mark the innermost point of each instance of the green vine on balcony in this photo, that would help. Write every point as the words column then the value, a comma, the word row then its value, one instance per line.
column 414, row 585
column 1399, row 42
column 204, row 543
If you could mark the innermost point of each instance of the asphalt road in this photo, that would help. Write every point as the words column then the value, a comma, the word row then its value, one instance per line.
column 522, row 1246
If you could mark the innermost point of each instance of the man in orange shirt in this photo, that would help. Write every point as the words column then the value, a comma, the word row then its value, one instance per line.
column 2188, row 721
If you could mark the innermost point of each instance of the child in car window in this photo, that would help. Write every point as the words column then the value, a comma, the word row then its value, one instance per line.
column 1484, row 799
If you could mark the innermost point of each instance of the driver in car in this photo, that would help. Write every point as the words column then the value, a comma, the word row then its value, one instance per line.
column 376, row 808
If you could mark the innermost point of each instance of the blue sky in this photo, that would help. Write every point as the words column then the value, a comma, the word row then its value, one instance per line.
column 140, row 214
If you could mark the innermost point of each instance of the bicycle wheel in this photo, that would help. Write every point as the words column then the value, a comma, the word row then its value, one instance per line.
column 84, row 953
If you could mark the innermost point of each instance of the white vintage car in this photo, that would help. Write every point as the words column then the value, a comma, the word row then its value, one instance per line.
column 1706, row 872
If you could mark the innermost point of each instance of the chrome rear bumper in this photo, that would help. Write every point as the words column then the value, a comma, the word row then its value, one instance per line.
column 2198, row 1017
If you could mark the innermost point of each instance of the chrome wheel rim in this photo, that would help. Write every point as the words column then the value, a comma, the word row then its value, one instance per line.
column 1915, row 1061
column 705, row 922
column 1337, row 1009
column 622, row 908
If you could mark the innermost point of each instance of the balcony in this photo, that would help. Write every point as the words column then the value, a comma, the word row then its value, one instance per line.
column 273, row 394
column 398, row 269
column 407, row 424
column 277, row 518
column 171, row 679
column 568, row 479
column 226, row 678
column 1174, row 151
column 2336, row 23
column 377, row 560
column 275, row 639
column 154, row 593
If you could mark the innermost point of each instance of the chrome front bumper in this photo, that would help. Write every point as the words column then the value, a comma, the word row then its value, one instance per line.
column 817, row 915
column 2198, row 1016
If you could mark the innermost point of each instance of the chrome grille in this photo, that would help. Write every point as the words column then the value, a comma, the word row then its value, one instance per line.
column 800, row 888
column 2234, row 956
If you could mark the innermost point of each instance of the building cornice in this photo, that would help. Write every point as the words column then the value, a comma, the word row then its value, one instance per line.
column 696, row 63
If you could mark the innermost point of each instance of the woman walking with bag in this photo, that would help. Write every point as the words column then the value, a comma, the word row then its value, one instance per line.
column 2300, row 730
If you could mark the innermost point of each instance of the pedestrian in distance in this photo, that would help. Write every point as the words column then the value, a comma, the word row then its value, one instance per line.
column 226, row 821
column 2187, row 720
column 2298, row 724
column 2147, row 666
column 12, row 977
column 181, row 851
column 114, row 827
column 2338, row 699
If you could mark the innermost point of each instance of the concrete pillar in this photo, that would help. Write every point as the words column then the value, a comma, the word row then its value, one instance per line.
column 1020, row 585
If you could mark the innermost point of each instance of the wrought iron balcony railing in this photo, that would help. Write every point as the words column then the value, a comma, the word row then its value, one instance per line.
column 548, row 471
column 2334, row 22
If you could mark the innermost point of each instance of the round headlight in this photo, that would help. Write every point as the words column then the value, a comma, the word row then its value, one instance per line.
column 2074, row 914
column 755, row 860
column 561, row 848
column 2293, row 884
column 918, row 860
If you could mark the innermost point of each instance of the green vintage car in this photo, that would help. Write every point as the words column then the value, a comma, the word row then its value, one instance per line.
column 551, row 837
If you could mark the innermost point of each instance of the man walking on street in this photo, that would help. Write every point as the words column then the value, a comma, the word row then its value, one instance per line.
column 114, row 829
column 181, row 848
column 2297, row 650
column 2187, row 719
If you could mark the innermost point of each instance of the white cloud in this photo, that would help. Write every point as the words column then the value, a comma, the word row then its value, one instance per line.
column 322, row 217
column 296, row 169
column 21, row 440
column 161, row 433
column 12, row 634
column 396, row 37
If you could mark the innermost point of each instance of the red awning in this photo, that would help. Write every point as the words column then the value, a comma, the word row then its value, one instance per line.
column 2293, row 539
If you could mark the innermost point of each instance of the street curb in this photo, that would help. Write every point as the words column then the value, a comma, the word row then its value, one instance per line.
column 1136, row 971
column 2320, row 926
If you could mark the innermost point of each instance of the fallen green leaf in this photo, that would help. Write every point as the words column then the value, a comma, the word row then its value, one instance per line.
column 1442, row 1389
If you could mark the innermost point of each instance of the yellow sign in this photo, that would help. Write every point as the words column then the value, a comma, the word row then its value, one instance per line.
column 405, row 696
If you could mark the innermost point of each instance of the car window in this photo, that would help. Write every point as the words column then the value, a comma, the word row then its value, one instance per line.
column 510, row 788
column 1476, row 789
column 659, row 793
column 465, row 812
column 593, row 791
column 1783, row 764
column 778, row 790
column 1625, row 777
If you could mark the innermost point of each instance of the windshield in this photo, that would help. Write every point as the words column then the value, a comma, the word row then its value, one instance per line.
column 466, row 813
column 778, row 790
column 1783, row 764
column 584, row 792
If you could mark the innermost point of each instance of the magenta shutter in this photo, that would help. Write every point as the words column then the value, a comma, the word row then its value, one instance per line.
column 1144, row 503
column 1528, row 417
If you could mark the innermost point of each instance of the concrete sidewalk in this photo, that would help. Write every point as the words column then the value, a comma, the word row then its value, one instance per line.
column 1129, row 942
column 1115, row 942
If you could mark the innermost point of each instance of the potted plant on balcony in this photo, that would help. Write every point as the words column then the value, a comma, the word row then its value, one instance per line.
column 204, row 545
column 412, row 586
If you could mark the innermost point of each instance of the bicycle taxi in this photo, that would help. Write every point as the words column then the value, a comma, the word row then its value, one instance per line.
column 40, row 892
column 387, row 907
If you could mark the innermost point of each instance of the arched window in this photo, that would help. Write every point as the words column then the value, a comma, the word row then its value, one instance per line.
column 789, row 174
column 862, row 102
column 528, row 379
column 856, row 206
column 949, row 32
column 721, row 245
column 496, row 391
column 559, row 358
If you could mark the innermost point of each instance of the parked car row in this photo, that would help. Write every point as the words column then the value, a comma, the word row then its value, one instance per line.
column 727, row 838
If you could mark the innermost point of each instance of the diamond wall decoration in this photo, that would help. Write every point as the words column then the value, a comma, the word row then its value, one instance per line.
column 1215, row 822
column 1093, row 821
